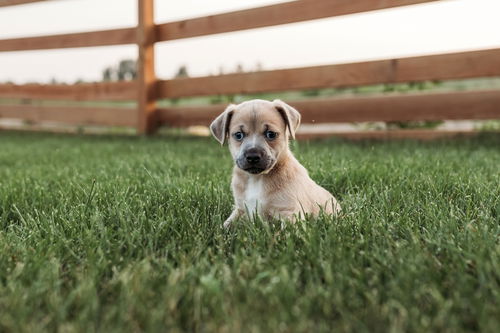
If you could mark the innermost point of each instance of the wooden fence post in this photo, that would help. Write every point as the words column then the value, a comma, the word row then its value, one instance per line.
column 146, row 78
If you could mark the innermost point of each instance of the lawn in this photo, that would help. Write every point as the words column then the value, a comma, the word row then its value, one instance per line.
column 117, row 234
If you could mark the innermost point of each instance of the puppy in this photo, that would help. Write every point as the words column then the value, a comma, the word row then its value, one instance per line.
column 267, row 179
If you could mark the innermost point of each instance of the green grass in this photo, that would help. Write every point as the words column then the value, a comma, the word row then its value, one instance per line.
column 116, row 234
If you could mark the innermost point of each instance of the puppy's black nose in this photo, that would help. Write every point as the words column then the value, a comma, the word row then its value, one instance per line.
column 253, row 156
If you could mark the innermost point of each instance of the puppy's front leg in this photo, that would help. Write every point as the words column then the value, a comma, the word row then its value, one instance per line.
column 234, row 215
column 286, row 216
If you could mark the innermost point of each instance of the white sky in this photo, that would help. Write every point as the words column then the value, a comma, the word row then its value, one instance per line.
column 445, row 26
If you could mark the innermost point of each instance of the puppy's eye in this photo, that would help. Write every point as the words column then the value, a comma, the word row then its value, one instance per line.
column 270, row 135
column 238, row 136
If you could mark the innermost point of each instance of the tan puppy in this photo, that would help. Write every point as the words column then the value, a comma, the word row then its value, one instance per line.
column 267, row 179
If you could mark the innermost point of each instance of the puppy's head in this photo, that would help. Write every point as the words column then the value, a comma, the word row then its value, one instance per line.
column 257, row 132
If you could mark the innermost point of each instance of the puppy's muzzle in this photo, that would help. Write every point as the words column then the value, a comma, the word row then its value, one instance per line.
column 253, row 156
column 254, row 161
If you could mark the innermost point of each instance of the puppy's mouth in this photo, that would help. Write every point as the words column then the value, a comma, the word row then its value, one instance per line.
column 254, row 170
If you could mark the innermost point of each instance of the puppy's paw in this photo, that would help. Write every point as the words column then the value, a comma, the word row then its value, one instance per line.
column 227, row 224
column 234, row 216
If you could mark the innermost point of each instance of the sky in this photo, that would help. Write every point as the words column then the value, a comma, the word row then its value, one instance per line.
column 440, row 27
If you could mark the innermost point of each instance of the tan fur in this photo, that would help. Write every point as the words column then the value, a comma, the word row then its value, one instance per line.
column 284, row 189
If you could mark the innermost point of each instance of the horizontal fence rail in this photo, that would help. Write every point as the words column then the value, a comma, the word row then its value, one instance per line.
column 436, row 67
column 81, row 39
column 146, row 90
column 425, row 134
column 485, row 63
column 409, row 107
column 112, row 91
column 289, row 12
column 5, row 3
column 72, row 115
column 294, row 11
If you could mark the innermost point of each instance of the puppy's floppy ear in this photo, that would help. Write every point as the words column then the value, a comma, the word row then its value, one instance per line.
column 220, row 126
column 289, row 114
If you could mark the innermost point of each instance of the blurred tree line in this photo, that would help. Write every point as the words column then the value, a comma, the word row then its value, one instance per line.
column 126, row 70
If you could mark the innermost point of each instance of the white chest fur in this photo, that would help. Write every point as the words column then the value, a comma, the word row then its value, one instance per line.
column 254, row 196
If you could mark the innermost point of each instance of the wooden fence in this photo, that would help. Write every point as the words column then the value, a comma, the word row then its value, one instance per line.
column 147, row 89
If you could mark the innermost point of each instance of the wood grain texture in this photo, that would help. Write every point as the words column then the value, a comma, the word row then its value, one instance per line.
column 6, row 3
column 146, row 80
column 484, row 63
column 112, row 91
column 423, row 135
column 81, row 39
column 411, row 107
column 289, row 12
column 70, row 115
